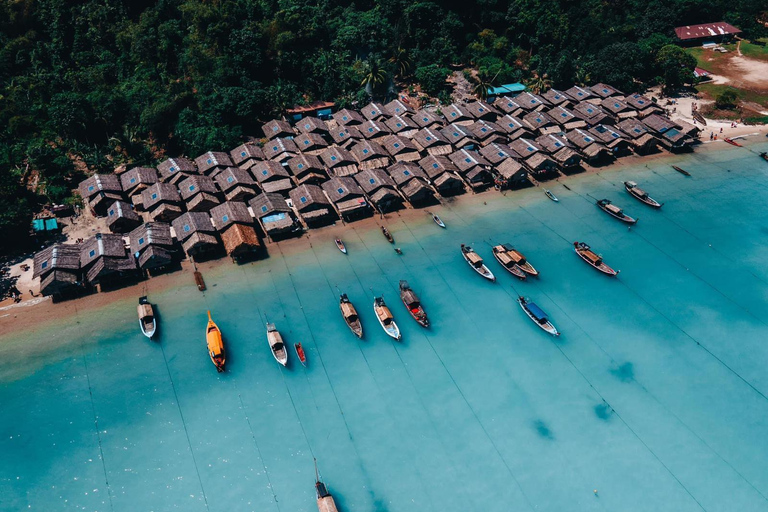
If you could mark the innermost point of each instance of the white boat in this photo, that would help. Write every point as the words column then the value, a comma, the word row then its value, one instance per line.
column 340, row 245
column 551, row 195
column 147, row 320
column 476, row 262
column 536, row 314
column 641, row 194
column 385, row 317
column 614, row 211
column 438, row 221
column 276, row 344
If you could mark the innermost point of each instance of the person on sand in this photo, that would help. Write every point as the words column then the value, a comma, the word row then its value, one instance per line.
column 711, row 135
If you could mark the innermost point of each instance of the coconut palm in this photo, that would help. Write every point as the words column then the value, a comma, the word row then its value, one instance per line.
column 402, row 62
column 375, row 77
column 539, row 83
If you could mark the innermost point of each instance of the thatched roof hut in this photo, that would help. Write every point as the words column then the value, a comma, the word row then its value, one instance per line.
column 373, row 130
column 486, row 132
column 638, row 135
column 513, row 127
column 459, row 136
column 104, row 257
column 510, row 173
column 612, row 139
column 426, row 119
column 199, row 193
column 644, row 105
column 497, row 153
column 402, row 125
column 272, row 177
column 397, row 108
column 244, row 154
column 602, row 90
column 592, row 114
column 557, row 98
column 369, row 155
column 174, row 170
column 432, row 141
column 307, row 169
column 618, row 109
column 481, row 111
column 400, row 148
column 312, row 125
column 348, row 197
column 373, row 111
column 339, row 161
column 540, row 123
column 236, row 184
column 58, row 268
column 346, row 117
column 212, row 162
column 412, row 182
column 228, row 213
column 380, row 189
column 586, row 144
column 314, row 208
column 196, row 233
column 121, row 218
column 509, row 106
column 162, row 201
column 472, row 167
column 277, row 128
column 241, row 241
column 274, row 214
column 455, row 113
column 99, row 191
column 152, row 245
column 310, row 143
column 566, row 119
column 280, row 149
column 345, row 136
column 578, row 94
column 137, row 179
column 531, row 102
column 443, row 174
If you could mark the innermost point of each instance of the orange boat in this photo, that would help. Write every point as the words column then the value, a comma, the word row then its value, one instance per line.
column 215, row 344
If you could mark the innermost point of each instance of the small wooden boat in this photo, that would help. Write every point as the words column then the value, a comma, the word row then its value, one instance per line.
column 413, row 304
column 476, row 262
column 385, row 317
column 641, row 194
column 276, row 344
column 398, row 250
column 764, row 156
column 349, row 313
column 340, row 245
column 551, row 195
column 681, row 171
column 147, row 320
column 536, row 314
column 437, row 220
column 387, row 235
column 325, row 501
column 586, row 253
column 199, row 281
column 215, row 344
column 732, row 142
column 505, row 256
column 300, row 353
column 614, row 211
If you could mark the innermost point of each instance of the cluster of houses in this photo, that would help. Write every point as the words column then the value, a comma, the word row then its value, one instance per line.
column 353, row 163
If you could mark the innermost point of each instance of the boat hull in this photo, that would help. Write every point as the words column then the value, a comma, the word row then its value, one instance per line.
column 551, row 196
column 623, row 218
column 215, row 345
column 515, row 270
column 148, row 332
column 546, row 327
column 646, row 200
column 483, row 270
column 392, row 330
column 438, row 221
column 605, row 269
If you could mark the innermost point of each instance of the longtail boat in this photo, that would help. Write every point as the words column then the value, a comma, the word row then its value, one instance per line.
column 585, row 252
column 732, row 142
column 325, row 501
column 551, row 195
column 387, row 235
column 508, row 261
column 438, row 221
column 538, row 315
column 641, row 194
column 476, row 262
column 385, row 317
column 300, row 354
column 340, row 245
column 147, row 320
column 351, row 318
column 614, row 211
column 276, row 344
column 413, row 304
column 215, row 344
column 681, row 171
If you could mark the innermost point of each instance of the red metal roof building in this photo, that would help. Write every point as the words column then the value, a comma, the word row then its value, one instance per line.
column 707, row 31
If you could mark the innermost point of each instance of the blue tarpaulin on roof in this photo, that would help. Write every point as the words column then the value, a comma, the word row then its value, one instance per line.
column 274, row 217
column 502, row 90
column 45, row 224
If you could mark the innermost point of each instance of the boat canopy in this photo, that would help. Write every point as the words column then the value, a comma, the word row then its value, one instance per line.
column 145, row 310
column 410, row 298
column 348, row 310
column 517, row 257
column 615, row 209
column 384, row 313
column 537, row 312
column 474, row 258
column 594, row 258
column 505, row 259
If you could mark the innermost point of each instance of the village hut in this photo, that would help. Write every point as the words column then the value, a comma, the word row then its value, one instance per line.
column 133, row 181
column 345, row 136
column 459, row 136
column 579, row 94
column 510, row 106
column 592, row 150
column 513, row 127
column 374, row 130
column 236, row 184
column 199, row 193
column 369, row 155
column 565, row 118
column 213, row 162
column 373, row 111
column 473, row 168
column 162, row 201
column 412, row 182
column 534, row 158
column 397, row 108
column 310, row 143
column 486, row 132
column 432, row 142
column 618, row 109
column 643, row 105
column 496, row 153
column 603, row 91
column 531, row 102
column 312, row 125
column 346, row 117
column 104, row 259
column 307, row 169
column 195, row 232
column 612, row 139
column 457, row 114
column 400, row 149
column 639, row 136
column 592, row 114
column 245, row 155
column 402, row 125
column 510, row 173
column 426, row 119
column 234, row 223
column 312, row 206
column 152, row 245
column 557, row 98
column 348, row 198
column 339, row 161
column 277, row 128
column 58, row 268
column 275, row 216
column 272, row 177
column 560, row 150
column 99, row 191
column 540, row 123
column 442, row 174
column 121, row 218
column 668, row 133
column 174, row 170
column 481, row 111
column 280, row 149
column 380, row 189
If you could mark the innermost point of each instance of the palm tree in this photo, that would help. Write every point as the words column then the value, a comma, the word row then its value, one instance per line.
column 375, row 77
column 539, row 83
column 402, row 62
column 581, row 77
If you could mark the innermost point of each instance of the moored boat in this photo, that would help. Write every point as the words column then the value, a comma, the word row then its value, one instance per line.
column 385, row 317
column 476, row 262
column 586, row 253
column 614, row 211
column 732, row 142
column 413, row 304
column 641, row 194
column 325, row 501
column 503, row 255
column 764, row 156
column 215, row 344
column 147, row 320
column 437, row 220
column 387, row 235
column 349, row 313
column 681, row 170
column 538, row 315
column 340, row 245
column 551, row 195
column 300, row 353
column 276, row 344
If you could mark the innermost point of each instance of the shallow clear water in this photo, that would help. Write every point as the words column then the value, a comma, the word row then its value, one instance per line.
column 654, row 395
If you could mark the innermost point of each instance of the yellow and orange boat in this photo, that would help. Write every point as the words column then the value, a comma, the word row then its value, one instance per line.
column 215, row 344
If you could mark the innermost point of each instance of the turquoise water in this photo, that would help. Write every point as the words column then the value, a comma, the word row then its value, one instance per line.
column 654, row 396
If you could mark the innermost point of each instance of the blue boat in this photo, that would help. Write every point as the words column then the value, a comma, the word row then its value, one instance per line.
column 538, row 315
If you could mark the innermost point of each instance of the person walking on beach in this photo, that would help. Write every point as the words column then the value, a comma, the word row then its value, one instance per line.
column 711, row 135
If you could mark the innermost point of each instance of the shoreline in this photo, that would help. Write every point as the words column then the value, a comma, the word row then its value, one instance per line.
column 15, row 317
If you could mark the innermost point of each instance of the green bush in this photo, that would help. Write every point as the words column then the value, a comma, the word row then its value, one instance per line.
column 432, row 78
column 726, row 100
